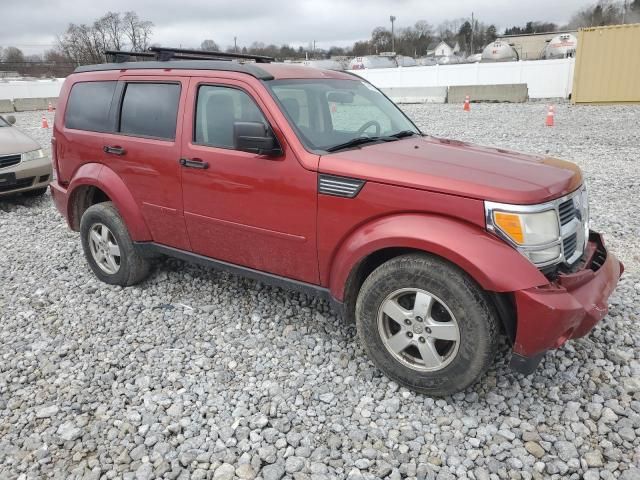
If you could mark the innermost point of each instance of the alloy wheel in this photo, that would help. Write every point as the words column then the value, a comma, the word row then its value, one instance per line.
column 104, row 248
column 418, row 329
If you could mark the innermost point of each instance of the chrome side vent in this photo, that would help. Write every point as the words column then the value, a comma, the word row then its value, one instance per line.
column 339, row 186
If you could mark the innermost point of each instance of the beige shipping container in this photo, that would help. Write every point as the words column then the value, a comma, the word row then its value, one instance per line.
column 607, row 65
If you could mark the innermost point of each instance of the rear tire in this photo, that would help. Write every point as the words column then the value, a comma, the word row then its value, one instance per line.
column 442, row 331
column 108, row 247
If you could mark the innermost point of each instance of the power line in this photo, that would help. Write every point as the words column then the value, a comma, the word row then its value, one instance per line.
column 9, row 44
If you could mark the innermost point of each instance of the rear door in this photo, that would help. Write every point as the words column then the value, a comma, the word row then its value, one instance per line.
column 145, row 148
column 245, row 208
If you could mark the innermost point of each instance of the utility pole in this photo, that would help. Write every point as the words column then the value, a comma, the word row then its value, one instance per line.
column 393, row 43
column 235, row 44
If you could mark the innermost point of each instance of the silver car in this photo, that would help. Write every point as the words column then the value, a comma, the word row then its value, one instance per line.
column 24, row 166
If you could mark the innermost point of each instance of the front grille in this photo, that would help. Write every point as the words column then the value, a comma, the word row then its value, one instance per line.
column 567, row 211
column 569, row 245
column 20, row 183
column 10, row 160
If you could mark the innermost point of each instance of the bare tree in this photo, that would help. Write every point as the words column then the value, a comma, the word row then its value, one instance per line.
column 85, row 44
column 209, row 45
column 111, row 29
column 13, row 55
column 137, row 31
column 381, row 39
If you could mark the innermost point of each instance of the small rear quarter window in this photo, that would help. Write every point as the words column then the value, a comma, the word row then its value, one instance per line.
column 88, row 106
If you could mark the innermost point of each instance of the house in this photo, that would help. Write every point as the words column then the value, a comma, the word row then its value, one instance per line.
column 440, row 48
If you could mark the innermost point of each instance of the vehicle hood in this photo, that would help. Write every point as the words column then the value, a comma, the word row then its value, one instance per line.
column 458, row 168
column 13, row 141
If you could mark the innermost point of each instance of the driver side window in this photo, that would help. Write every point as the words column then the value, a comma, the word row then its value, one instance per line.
column 217, row 110
column 350, row 117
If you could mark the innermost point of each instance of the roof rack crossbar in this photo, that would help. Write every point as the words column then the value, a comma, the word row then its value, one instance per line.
column 118, row 56
column 168, row 53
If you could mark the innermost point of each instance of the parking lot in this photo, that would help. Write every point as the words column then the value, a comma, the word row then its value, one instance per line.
column 203, row 374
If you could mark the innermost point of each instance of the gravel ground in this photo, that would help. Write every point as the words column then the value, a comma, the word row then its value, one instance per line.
column 199, row 374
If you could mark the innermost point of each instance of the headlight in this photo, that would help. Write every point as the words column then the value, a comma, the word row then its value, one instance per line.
column 533, row 230
column 32, row 155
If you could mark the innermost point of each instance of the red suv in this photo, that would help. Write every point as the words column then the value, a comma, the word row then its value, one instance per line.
column 314, row 180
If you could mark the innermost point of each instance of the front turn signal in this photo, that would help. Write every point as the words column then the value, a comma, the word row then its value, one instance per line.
column 510, row 224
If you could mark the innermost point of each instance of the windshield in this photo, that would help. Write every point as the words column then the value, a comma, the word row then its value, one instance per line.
column 3, row 122
column 330, row 114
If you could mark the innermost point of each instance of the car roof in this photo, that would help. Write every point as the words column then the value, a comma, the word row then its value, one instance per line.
column 262, row 71
column 290, row 70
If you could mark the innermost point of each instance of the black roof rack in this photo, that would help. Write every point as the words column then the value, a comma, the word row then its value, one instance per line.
column 119, row 56
column 168, row 53
column 174, row 58
column 223, row 65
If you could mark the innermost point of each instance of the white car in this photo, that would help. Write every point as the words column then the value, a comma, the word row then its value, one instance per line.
column 24, row 166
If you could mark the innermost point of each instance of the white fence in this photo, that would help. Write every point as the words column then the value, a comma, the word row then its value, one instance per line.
column 545, row 78
column 30, row 89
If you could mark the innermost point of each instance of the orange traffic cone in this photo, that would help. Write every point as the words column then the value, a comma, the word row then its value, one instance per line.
column 45, row 124
column 467, row 104
column 550, row 115
column 50, row 109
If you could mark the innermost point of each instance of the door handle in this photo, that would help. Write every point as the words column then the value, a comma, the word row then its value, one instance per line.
column 114, row 150
column 194, row 163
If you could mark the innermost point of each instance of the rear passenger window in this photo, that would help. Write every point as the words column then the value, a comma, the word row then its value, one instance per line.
column 150, row 110
column 217, row 110
column 88, row 106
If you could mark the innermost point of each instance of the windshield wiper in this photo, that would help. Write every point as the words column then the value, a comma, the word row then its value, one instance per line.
column 404, row 133
column 354, row 143
column 362, row 140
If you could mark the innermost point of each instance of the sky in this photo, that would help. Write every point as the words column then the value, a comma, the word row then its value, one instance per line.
column 33, row 25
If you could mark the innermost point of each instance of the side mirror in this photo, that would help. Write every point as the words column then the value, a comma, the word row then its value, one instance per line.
column 255, row 137
column 11, row 119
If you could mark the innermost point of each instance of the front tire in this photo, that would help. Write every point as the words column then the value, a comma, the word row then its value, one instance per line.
column 426, row 324
column 108, row 247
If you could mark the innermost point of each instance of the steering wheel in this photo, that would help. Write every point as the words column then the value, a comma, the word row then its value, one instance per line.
column 369, row 124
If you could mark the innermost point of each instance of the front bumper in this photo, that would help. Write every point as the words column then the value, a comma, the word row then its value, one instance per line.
column 567, row 308
column 28, row 176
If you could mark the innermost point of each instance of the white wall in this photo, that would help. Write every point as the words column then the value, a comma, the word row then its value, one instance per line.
column 544, row 78
column 30, row 89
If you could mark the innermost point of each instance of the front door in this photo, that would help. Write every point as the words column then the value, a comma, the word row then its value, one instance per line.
column 245, row 208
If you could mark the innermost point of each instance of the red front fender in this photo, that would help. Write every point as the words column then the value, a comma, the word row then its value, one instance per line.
column 489, row 261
